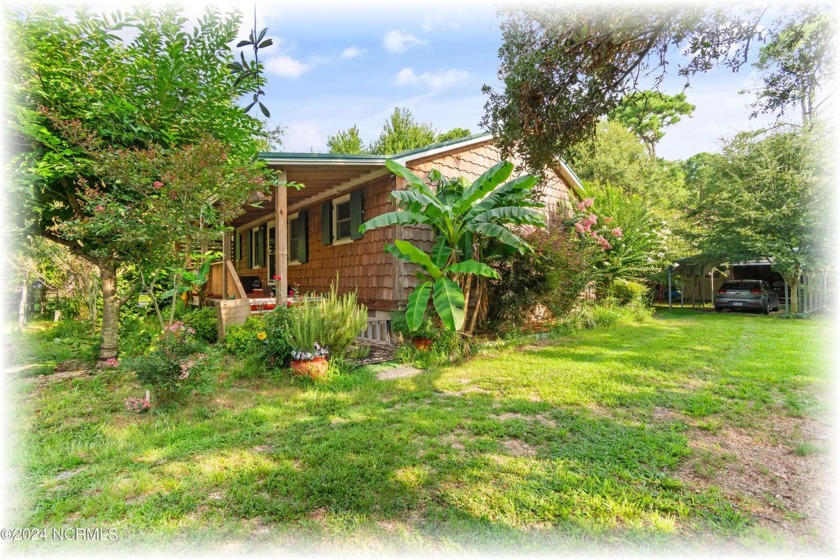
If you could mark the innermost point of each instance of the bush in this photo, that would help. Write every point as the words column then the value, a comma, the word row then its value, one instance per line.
column 399, row 326
column 553, row 275
column 242, row 340
column 172, row 368
column 276, row 351
column 333, row 322
column 628, row 292
column 204, row 322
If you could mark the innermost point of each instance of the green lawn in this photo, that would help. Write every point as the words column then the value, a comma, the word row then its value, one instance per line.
column 617, row 436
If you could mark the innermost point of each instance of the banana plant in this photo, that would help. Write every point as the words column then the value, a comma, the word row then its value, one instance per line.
column 459, row 213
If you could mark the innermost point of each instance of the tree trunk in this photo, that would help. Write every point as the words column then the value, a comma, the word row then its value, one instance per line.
column 108, row 341
column 793, row 297
column 24, row 294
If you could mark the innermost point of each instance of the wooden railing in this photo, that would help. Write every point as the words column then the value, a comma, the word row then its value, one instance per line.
column 217, row 285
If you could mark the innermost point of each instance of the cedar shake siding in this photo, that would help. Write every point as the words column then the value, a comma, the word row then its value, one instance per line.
column 361, row 264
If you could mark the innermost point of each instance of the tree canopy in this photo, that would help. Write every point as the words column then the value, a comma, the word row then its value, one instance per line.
column 648, row 113
column 346, row 142
column 400, row 132
column 562, row 70
column 765, row 197
column 795, row 64
column 126, row 128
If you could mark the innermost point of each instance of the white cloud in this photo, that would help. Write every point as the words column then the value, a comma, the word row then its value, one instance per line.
column 288, row 67
column 397, row 41
column 437, row 21
column 352, row 52
column 305, row 136
column 436, row 81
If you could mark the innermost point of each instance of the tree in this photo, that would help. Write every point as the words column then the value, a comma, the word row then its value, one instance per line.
column 563, row 70
column 795, row 64
column 401, row 132
column 460, row 214
column 346, row 142
column 454, row 134
column 76, row 281
column 617, row 158
column 648, row 113
column 765, row 198
column 643, row 246
column 104, row 107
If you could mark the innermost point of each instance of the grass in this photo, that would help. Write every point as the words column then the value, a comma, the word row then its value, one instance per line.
column 574, row 444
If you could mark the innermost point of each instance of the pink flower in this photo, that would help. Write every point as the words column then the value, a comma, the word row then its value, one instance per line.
column 586, row 203
column 617, row 232
column 593, row 234
column 157, row 184
column 579, row 227
column 99, row 208
column 593, row 219
column 605, row 245
column 112, row 362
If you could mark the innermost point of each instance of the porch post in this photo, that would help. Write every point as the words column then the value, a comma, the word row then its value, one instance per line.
column 225, row 259
column 281, row 214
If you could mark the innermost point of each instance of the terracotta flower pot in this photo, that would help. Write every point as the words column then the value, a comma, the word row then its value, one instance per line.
column 421, row 342
column 314, row 368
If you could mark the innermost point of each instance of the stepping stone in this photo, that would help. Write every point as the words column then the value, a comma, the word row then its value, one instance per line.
column 398, row 372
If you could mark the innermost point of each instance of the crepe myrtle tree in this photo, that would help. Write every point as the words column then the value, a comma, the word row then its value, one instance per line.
column 459, row 214
column 104, row 111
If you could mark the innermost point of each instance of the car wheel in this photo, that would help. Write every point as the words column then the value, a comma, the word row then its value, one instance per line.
column 765, row 309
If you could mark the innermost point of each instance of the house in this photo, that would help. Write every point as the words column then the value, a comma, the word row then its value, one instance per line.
column 310, row 235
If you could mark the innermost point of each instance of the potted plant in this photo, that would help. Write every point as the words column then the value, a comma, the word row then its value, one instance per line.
column 422, row 337
column 312, row 363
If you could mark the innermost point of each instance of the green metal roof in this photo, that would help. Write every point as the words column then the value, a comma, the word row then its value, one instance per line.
column 369, row 158
column 402, row 157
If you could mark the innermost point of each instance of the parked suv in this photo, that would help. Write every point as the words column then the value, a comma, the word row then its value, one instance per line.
column 747, row 294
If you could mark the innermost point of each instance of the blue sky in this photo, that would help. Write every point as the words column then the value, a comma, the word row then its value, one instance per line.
column 334, row 66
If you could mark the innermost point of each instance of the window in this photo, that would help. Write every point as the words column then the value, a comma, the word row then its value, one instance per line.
column 295, row 233
column 341, row 220
column 258, row 247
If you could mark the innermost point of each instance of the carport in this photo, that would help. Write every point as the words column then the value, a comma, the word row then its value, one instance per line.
column 697, row 280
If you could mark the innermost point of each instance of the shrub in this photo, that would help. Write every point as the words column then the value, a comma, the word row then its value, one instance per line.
column 241, row 340
column 204, row 322
column 605, row 315
column 333, row 322
column 276, row 350
column 399, row 326
column 172, row 368
column 553, row 275
column 628, row 292
column 343, row 319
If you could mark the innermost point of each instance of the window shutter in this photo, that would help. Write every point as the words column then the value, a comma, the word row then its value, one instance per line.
column 355, row 214
column 263, row 234
column 237, row 246
column 247, row 247
column 303, row 224
column 326, row 222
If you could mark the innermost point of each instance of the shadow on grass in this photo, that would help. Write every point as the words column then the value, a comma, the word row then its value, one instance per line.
column 446, row 466
column 515, row 447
